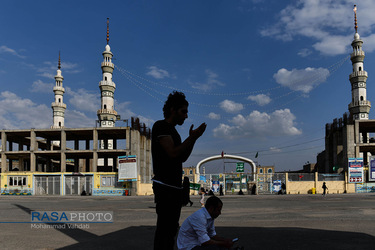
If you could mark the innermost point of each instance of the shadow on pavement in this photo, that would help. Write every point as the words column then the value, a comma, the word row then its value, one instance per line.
column 250, row 237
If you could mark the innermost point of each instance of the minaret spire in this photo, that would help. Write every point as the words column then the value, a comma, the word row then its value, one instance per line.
column 355, row 18
column 58, row 106
column 59, row 64
column 107, row 30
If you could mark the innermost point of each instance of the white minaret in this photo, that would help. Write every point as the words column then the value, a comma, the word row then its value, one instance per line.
column 359, row 108
column 58, row 106
column 107, row 114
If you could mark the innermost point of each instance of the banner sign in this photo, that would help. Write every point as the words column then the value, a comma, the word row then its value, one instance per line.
column 240, row 167
column 371, row 170
column 355, row 170
column 195, row 186
column 127, row 167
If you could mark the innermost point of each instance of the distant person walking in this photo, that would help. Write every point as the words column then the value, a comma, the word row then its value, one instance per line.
column 221, row 190
column 202, row 193
column 168, row 154
column 186, row 192
column 324, row 188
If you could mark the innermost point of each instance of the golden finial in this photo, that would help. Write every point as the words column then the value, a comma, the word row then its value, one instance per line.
column 355, row 18
column 107, row 30
column 59, row 65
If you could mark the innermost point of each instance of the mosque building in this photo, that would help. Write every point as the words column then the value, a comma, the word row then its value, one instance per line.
column 72, row 161
column 348, row 138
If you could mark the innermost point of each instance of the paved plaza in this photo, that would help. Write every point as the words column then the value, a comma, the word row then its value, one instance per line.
column 345, row 221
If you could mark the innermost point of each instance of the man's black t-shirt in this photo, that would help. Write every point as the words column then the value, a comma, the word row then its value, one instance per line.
column 166, row 169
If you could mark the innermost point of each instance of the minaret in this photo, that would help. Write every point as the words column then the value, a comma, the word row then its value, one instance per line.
column 107, row 114
column 359, row 108
column 58, row 106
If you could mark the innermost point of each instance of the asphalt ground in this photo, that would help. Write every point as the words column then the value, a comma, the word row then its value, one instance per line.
column 342, row 221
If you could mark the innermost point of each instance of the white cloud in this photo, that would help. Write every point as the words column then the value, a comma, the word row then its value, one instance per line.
column 304, row 52
column 231, row 106
column 83, row 100
column 49, row 69
column 260, row 99
column 157, row 73
column 77, row 119
column 5, row 49
column 214, row 116
column 274, row 149
column 303, row 80
column 18, row 113
column 256, row 124
column 327, row 22
column 42, row 87
column 211, row 82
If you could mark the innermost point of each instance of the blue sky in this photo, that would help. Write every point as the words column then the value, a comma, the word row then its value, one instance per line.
column 265, row 75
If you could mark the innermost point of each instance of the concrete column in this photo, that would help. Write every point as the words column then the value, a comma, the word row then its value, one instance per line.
column 21, row 164
column 128, row 139
column 33, row 148
column 3, row 150
column 62, row 152
column 357, row 135
column 95, row 151
column 20, row 146
column 286, row 183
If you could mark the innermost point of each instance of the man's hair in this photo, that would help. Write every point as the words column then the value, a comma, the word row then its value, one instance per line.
column 175, row 100
column 213, row 201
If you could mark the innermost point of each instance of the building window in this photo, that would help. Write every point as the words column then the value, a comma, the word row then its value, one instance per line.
column 191, row 172
column 105, row 78
column 105, row 106
column 261, row 171
column 17, row 181
column 269, row 170
column 109, row 181
column 360, row 68
column 361, row 98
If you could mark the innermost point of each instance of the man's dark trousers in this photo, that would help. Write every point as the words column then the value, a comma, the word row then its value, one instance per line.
column 168, row 208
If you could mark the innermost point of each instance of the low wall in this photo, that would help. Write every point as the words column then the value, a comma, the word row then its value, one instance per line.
column 145, row 189
column 305, row 187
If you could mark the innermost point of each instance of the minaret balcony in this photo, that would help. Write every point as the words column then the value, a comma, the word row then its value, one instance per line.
column 108, row 64
column 57, row 104
column 58, row 88
column 106, row 111
column 358, row 73
column 107, row 83
column 357, row 104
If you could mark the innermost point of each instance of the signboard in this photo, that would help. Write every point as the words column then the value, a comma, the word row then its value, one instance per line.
column 355, row 170
column 240, row 167
column 203, row 178
column 127, row 167
column 276, row 186
column 215, row 186
column 371, row 170
column 195, row 186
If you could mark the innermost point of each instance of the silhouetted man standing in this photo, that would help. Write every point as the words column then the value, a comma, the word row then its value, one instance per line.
column 168, row 154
